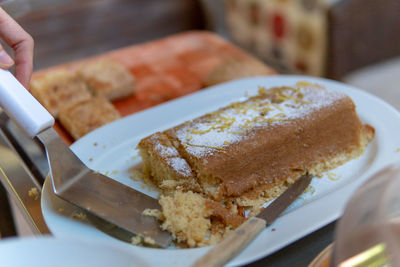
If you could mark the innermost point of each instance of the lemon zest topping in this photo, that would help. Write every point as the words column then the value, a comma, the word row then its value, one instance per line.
column 212, row 147
column 332, row 176
column 221, row 121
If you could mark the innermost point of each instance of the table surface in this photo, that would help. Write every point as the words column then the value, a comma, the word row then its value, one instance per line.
column 73, row 32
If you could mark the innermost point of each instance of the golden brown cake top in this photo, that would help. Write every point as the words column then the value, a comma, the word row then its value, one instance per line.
column 215, row 131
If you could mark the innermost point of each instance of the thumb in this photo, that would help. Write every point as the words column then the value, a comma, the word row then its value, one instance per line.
column 6, row 61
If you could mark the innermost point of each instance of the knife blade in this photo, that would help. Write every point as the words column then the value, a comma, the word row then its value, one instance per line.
column 236, row 241
column 280, row 204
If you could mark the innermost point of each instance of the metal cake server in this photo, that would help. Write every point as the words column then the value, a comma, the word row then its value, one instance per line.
column 72, row 180
column 236, row 241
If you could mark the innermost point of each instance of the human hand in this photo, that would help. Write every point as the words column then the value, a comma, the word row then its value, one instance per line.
column 22, row 44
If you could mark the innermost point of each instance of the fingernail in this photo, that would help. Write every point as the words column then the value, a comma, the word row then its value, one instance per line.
column 5, row 59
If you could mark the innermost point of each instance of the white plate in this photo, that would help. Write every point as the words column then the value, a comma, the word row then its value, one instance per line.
column 50, row 252
column 111, row 150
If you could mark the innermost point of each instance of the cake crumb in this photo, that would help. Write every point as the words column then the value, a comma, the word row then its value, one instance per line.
column 79, row 216
column 152, row 213
column 149, row 241
column 136, row 240
column 34, row 193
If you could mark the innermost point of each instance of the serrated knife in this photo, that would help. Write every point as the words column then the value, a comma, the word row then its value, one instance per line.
column 72, row 180
column 236, row 241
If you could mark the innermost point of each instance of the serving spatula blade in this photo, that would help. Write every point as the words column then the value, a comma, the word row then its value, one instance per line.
column 72, row 180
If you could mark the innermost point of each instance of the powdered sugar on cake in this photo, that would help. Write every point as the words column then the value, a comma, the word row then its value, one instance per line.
column 173, row 157
column 180, row 165
column 169, row 151
column 212, row 133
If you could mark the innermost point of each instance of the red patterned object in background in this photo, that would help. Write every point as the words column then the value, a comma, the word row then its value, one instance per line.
column 326, row 38
column 278, row 24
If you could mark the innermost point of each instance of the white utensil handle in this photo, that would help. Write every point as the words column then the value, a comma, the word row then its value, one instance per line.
column 22, row 107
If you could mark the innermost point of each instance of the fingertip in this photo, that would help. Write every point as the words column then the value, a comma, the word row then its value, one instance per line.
column 6, row 61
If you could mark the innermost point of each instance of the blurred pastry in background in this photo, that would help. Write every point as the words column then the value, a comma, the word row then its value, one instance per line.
column 82, row 117
column 108, row 78
column 57, row 88
column 232, row 69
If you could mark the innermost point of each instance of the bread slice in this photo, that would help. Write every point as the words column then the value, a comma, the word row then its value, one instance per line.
column 108, row 78
column 83, row 117
column 59, row 87
column 232, row 69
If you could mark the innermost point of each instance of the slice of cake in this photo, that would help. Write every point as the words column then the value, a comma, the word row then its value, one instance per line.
column 174, row 170
column 83, row 117
column 240, row 156
column 57, row 88
column 108, row 78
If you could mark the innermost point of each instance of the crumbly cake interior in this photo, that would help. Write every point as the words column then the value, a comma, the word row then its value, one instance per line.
column 243, row 155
